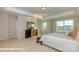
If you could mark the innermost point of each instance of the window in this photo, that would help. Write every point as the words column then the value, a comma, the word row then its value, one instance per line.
column 64, row 26
column 59, row 26
column 68, row 25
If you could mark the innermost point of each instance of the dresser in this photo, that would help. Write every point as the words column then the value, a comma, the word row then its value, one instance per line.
column 30, row 33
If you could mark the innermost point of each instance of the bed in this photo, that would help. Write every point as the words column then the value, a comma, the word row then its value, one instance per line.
column 61, row 42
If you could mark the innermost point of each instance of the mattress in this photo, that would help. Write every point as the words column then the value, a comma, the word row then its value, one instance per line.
column 58, row 36
column 60, row 41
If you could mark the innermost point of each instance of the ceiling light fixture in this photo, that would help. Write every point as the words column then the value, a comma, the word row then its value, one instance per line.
column 43, row 12
column 43, row 8
column 37, row 16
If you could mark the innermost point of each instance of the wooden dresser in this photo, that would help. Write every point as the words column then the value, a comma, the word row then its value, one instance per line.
column 31, row 33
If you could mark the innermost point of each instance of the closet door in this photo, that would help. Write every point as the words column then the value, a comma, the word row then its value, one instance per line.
column 12, row 26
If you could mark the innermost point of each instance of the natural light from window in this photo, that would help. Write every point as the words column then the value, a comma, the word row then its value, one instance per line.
column 64, row 26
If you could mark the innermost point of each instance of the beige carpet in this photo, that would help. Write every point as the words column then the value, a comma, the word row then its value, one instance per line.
column 24, row 45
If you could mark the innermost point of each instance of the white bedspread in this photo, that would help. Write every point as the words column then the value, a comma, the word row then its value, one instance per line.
column 60, row 41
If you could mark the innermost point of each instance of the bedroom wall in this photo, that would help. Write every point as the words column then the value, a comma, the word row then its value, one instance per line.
column 39, row 21
column 21, row 25
column 75, row 16
column 38, row 24
column 75, row 24
column 45, row 29
column 36, row 21
column 32, row 19
column 7, row 26
column 12, row 26
column 49, row 26
column 3, row 26
column 53, row 25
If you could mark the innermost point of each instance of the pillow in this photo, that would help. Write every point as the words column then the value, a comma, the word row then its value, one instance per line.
column 67, row 33
column 72, row 34
column 77, row 37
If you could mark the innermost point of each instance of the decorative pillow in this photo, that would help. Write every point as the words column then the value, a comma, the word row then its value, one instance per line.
column 72, row 34
column 77, row 37
column 67, row 33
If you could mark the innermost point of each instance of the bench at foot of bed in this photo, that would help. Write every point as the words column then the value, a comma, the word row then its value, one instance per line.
column 38, row 40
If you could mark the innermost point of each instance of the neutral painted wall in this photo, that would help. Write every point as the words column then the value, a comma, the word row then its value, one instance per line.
column 32, row 19
column 74, row 15
column 53, row 25
column 37, row 23
column 12, row 26
column 7, row 26
column 21, row 26
column 3, row 26
column 47, row 28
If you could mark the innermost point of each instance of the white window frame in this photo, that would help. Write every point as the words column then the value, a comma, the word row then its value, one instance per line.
column 62, row 27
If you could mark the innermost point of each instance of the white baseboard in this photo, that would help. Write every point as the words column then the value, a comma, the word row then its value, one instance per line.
column 3, row 38
column 12, row 38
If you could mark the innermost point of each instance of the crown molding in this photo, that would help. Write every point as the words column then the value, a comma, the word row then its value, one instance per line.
column 70, row 13
column 18, row 11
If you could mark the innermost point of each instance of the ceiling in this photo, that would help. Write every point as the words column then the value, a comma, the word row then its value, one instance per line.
column 50, row 11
